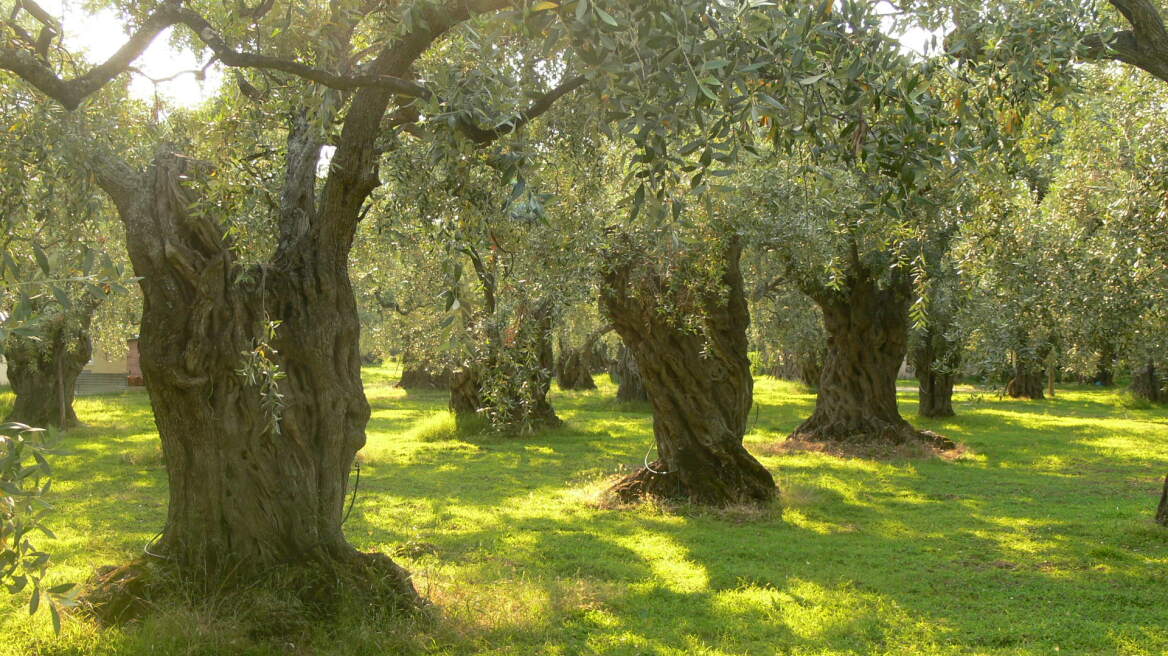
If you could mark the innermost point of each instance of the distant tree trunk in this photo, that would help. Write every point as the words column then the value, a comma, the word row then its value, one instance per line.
column 43, row 371
column 508, row 385
column 1162, row 509
column 867, row 329
column 1105, row 367
column 932, row 358
column 700, row 388
column 1028, row 379
column 574, row 369
column 1026, row 384
column 422, row 374
column 810, row 366
column 630, row 386
column 465, row 396
column 1146, row 383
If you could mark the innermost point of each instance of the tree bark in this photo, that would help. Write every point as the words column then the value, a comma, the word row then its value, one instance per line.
column 43, row 372
column 867, row 339
column 1027, row 383
column 255, row 481
column 574, row 368
column 420, row 374
column 934, row 361
column 1146, row 383
column 700, row 387
column 630, row 385
column 508, row 380
column 1162, row 509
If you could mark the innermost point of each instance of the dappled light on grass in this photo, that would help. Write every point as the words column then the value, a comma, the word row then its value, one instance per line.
column 1051, row 510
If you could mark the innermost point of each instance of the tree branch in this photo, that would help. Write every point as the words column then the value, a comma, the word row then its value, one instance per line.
column 70, row 93
column 537, row 107
column 1145, row 46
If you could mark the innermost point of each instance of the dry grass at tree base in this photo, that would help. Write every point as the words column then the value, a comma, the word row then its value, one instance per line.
column 1038, row 539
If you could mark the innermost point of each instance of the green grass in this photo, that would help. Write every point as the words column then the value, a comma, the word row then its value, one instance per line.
column 1038, row 542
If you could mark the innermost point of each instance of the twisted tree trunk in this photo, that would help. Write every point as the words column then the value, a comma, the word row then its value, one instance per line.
column 43, row 371
column 700, row 388
column 508, row 381
column 867, row 339
column 257, row 465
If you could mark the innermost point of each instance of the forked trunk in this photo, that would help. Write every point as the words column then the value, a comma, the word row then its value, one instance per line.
column 700, row 388
column 43, row 372
column 867, row 338
column 257, row 463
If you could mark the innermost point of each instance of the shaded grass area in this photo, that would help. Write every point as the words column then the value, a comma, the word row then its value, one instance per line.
column 1039, row 540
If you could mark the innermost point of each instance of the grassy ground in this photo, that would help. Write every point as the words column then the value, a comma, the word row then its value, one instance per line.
column 1038, row 542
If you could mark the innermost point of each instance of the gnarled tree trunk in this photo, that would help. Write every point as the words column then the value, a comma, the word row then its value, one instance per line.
column 867, row 339
column 254, row 481
column 700, row 388
column 420, row 374
column 43, row 372
column 626, row 373
column 508, row 382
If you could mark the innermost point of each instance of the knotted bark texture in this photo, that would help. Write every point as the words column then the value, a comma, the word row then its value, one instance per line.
column 255, row 482
column 698, row 382
column 867, row 339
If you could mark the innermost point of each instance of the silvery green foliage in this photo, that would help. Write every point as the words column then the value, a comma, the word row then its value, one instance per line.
column 24, row 483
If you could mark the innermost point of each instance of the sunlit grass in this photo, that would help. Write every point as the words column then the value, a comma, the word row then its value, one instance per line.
column 1039, row 542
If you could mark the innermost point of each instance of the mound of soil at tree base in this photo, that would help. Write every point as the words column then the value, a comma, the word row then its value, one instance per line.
column 284, row 598
column 927, row 445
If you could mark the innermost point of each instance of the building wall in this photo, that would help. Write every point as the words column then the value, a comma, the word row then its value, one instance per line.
column 107, row 363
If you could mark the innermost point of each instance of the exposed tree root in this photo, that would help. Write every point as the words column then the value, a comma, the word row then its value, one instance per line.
column 745, row 483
